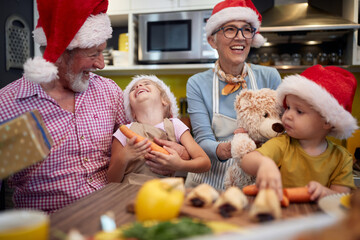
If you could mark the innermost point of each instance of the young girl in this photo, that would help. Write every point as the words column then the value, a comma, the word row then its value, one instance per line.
column 317, row 104
column 151, row 106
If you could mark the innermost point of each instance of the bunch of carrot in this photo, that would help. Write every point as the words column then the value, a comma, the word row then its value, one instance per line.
column 296, row 195
column 130, row 134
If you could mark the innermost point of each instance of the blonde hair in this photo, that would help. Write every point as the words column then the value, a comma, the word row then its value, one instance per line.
column 171, row 108
column 165, row 98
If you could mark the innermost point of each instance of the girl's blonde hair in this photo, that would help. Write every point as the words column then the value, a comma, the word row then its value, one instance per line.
column 171, row 110
column 165, row 98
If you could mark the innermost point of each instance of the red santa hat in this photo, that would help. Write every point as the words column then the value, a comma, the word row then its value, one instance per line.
column 330, row 90
column 174, row 110
column 66, row 24
column 231, row 10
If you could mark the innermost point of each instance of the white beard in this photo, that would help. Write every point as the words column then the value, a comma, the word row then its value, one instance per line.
column 78, row 85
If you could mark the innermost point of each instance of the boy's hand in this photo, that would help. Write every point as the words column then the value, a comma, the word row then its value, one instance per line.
column 317, row 190
column 268, row 176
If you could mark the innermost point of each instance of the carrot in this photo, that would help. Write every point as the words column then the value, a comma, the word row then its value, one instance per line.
column 250, row 190
column 298, row 194
column 129, row 134
column 285, row 202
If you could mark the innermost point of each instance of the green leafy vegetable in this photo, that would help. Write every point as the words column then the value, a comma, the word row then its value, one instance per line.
column 167, row 230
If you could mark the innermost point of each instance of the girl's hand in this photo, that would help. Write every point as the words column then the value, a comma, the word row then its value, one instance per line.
column 172, row 161
column 180, row 149
column 268, row 176
column 134, row 150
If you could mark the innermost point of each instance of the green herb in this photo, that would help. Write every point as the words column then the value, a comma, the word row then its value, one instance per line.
column 167, row 230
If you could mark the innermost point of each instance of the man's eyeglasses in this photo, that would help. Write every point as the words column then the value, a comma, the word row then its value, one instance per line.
column 232, row 31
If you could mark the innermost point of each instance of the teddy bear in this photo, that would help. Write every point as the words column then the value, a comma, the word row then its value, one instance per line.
column 258, row 112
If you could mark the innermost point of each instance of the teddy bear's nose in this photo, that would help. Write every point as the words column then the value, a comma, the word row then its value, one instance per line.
column 278, row 127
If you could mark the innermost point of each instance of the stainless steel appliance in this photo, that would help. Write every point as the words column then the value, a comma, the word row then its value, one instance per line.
column 177, row 37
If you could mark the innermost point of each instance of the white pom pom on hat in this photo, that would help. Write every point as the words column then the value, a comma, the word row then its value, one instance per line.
column 66, row 24
column 231, row 10
column 39, row 70
column 173, row 109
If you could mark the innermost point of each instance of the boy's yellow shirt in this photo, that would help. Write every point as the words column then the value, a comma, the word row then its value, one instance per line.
column 297, row 168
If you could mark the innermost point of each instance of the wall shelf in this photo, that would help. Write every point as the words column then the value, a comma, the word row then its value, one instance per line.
column 189, row 69
column 155, row 69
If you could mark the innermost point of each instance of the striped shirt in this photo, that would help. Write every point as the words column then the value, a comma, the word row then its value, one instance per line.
column 79, row 158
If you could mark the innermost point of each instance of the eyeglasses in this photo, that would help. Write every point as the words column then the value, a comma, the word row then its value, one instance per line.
column 232, row 31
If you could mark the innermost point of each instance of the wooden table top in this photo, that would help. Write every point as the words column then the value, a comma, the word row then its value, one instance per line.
column 84, row 215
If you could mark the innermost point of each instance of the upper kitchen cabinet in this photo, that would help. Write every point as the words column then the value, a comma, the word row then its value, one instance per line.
column 170, row 5
column 198, row 3
column 152, row 5
column 121, row 11
column 118, row 11
column 118, row 7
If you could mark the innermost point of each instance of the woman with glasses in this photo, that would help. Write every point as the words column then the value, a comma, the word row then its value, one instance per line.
column 232, row 29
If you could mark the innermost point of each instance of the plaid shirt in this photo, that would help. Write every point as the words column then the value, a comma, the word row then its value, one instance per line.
column 79, row 158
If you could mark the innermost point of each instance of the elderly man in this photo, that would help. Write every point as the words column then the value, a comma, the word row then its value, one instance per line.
column 80, row 109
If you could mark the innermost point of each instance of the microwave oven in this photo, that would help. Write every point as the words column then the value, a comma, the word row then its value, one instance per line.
column 177, row 37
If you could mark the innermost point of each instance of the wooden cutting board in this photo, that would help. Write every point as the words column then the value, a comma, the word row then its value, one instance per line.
column 243, row 218
column 209, row 214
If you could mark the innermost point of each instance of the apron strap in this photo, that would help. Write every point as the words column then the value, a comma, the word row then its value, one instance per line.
column 254, row 85
column 215, row 93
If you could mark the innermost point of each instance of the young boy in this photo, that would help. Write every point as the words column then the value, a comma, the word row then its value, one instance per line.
column 317, row 103
column 152, row 107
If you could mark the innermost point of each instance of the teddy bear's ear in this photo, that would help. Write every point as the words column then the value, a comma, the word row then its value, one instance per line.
column 242, row 99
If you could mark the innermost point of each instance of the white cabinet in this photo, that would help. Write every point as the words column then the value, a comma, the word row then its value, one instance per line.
column 198, row 3
column 118, row 6
column 171, row 5
column 153, row 5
